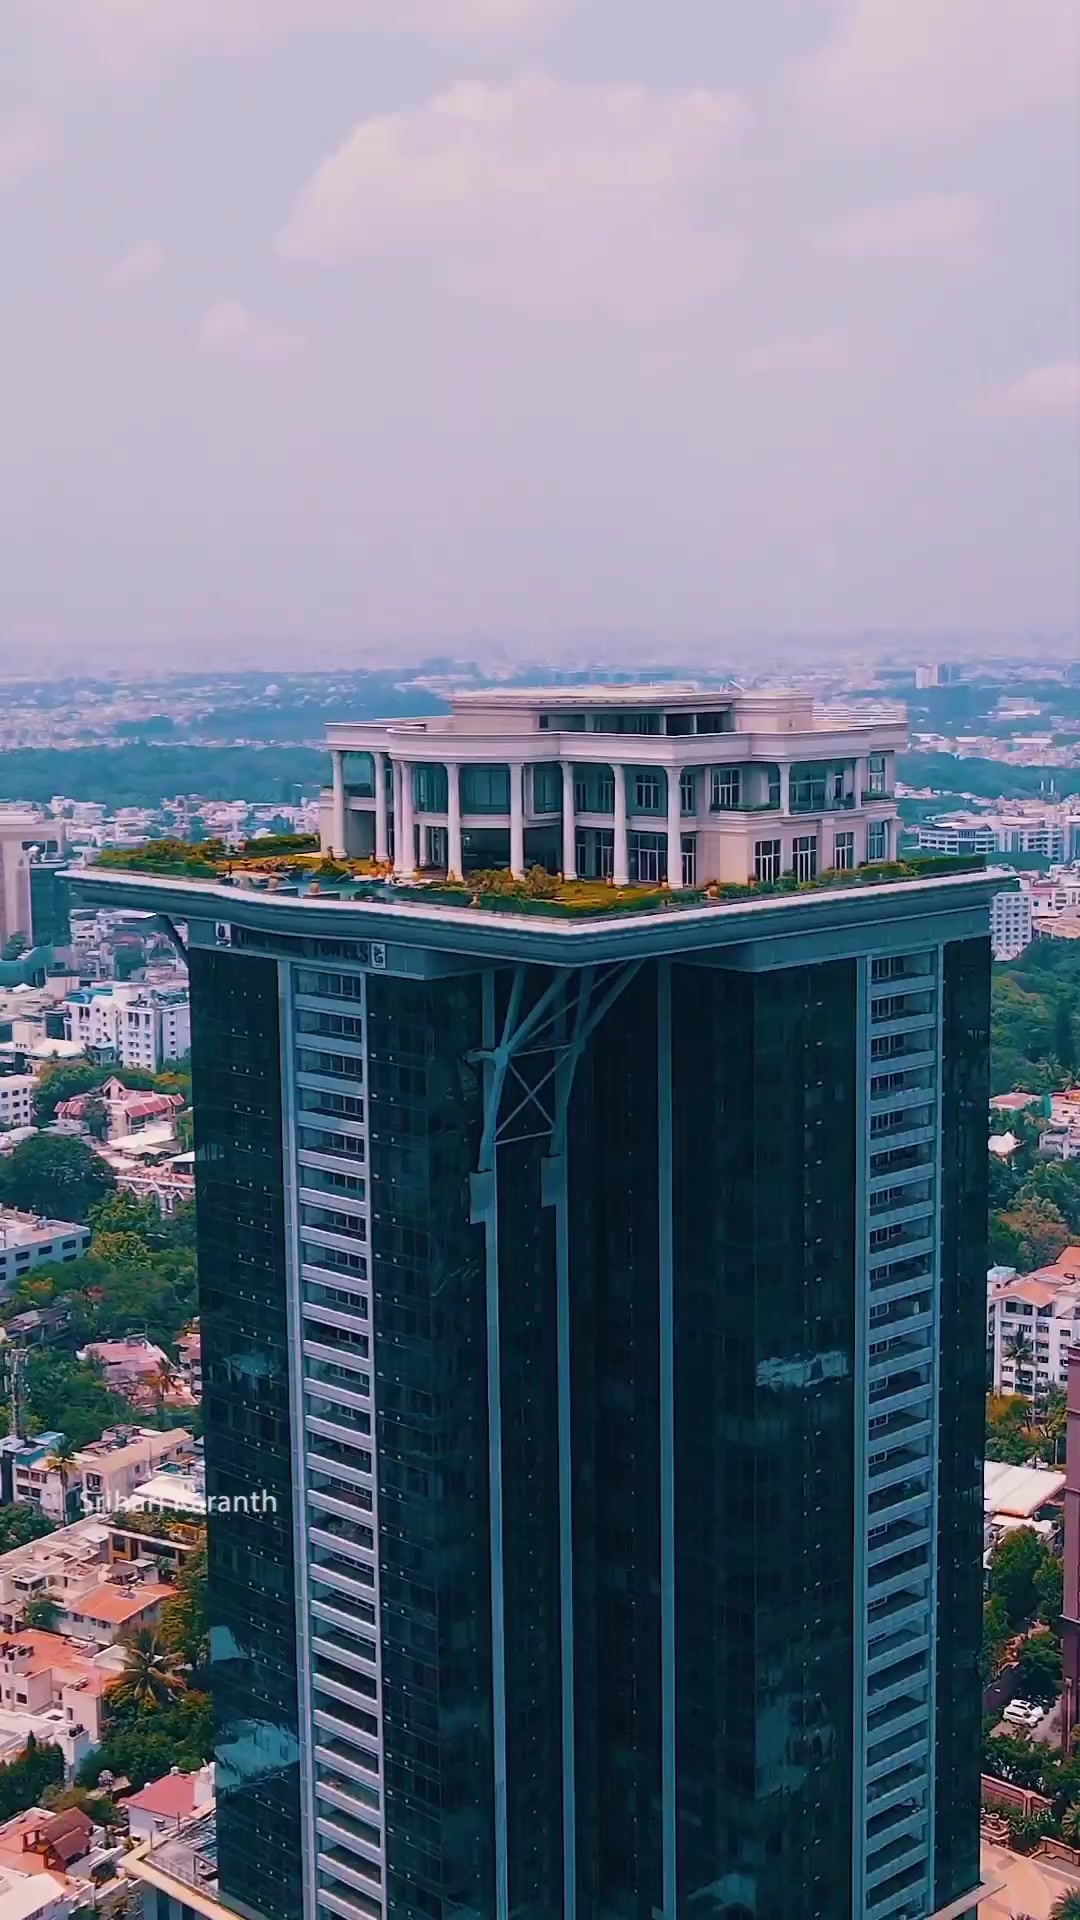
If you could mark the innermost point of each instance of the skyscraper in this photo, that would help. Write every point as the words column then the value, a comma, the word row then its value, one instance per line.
column 599, row 1295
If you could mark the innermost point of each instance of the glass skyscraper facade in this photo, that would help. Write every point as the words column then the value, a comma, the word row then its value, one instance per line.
column 603, row 1307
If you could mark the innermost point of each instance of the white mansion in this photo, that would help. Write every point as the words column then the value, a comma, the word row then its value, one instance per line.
column 629, row 783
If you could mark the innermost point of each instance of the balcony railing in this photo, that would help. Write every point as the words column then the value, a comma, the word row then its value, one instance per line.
column 871, row 799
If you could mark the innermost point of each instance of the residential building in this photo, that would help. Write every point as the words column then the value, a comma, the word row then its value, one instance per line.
column 63, row 1854
column 16, row 1100
column 189, row 1360
column 133, row 1366
column 632, row 784
column 1011, row 925
column 164, row 1805
column 179, row 1876
column 600, row 1299
column 135, row 1025
column 967, row 833
column 112, row 1467
column 28, row 1241
column 97, row 1600
column 53, row 1689
column 1032, row 1322
column 30, row 1475
column 179, row 1490
column 15, row 915
column 130, row 1112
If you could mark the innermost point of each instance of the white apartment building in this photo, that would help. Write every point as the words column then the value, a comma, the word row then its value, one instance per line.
column 636, row 784
column 137, row 1026
column 1031, row 1324
column 1051, row 832
column 16, row 1100
column 1011, row 928
column 27, row 1241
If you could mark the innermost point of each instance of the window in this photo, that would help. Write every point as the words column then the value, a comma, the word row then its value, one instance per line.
column 688, row 792
column 726, row 789
column 804, row 861
column 646, row 793
column 774, row 786
column 429, row 789
column 844, row 857
column 546, row 789
column 808, row 790
column 485, row 789
column 876, row 774
column 876, row 840
column 689, row 860
column 644, row 853
column 767, row 861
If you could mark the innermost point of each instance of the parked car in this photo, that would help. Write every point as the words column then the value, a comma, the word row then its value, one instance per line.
column 1023, row 1713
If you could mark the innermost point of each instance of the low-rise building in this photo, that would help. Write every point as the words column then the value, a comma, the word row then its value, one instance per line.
column 1032, row 1321
column 53, row 1689
column 16, row 1100
column 27, row 1241
column 164, row 1805
column 189, row 1360
column 130, row 1366
column 112, row 1467
column 129, row 1022
column 63, row 1853
column 32, row 1473
column 96, row 1598
column 1011, row 924
column 129, row 1112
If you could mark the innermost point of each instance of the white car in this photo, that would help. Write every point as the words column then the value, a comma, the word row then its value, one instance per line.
column 1022, row 1713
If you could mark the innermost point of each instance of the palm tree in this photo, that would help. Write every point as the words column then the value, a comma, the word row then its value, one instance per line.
column 152, row 1675
column 1019, row 1350
column 1050, row 1424
column 1067, row 1907
column 61, row 1461
column 161, row 1381
column 1070, row 1824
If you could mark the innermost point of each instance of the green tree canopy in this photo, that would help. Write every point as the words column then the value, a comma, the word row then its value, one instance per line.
column 1039, row 1669
column 20, row 1524
column 1014, row 1569
column 56, row 1175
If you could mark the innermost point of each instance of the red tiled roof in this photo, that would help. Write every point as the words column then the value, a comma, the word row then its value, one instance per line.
column 173, row 1796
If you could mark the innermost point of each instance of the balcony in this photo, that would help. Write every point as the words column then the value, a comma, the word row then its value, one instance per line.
column 870, row 799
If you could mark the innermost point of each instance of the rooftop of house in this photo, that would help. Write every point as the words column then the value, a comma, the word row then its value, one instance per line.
column 1042, row 1289
column 33, row 1651
column 28, row 1892
column 116, row 1606
column 26, row 1229
column 128, row 1446
column 40, row 1842
column 1018, row 1491
column 176, row 1796
column 138, row 1354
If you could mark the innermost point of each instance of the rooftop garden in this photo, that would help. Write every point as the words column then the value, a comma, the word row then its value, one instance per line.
column 293, row 865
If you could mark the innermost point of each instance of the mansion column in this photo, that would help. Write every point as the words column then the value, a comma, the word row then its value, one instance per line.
column 517, row 825
column 620, row 872
column 337, row 827
column 674, row 828
column 453, row 820
column 404, row 835
column 382, row 836
column 569, row 835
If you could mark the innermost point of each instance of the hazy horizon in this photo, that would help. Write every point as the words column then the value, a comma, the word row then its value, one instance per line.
column 345, row 329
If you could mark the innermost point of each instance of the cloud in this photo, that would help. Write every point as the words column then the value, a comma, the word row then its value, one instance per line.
column 232, row 332
column 525, row 178
column 26, row 145
column 949, row 229
column 900, row 65
column 1043, row 393
column 830, row 351
column 140, row 263
column 239, row 21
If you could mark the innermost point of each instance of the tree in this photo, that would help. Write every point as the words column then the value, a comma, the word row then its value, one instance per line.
column 121, row 1249
column 121, row 1212
column 1067, row 1907
column 15, row 947
column 1019, row 1350
column 60, row 1462
column 24, row 1779
column 1064, row 1039
column 185, row 1130
column 56, row 1176
column 1039, row 1669
column 151, row 1676
column 1050, row 1425
column 95, row 1117
column 1070, row 1825
column 185, row 1627
column 1050, row 1587
column 996, row 1638
column 66, row 1395
column 42, row 1614
column 1041, row 1233
column 1014, row 1565
column 20, row 1524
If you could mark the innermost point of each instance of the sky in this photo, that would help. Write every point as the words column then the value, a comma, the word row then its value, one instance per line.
column 338, row 326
